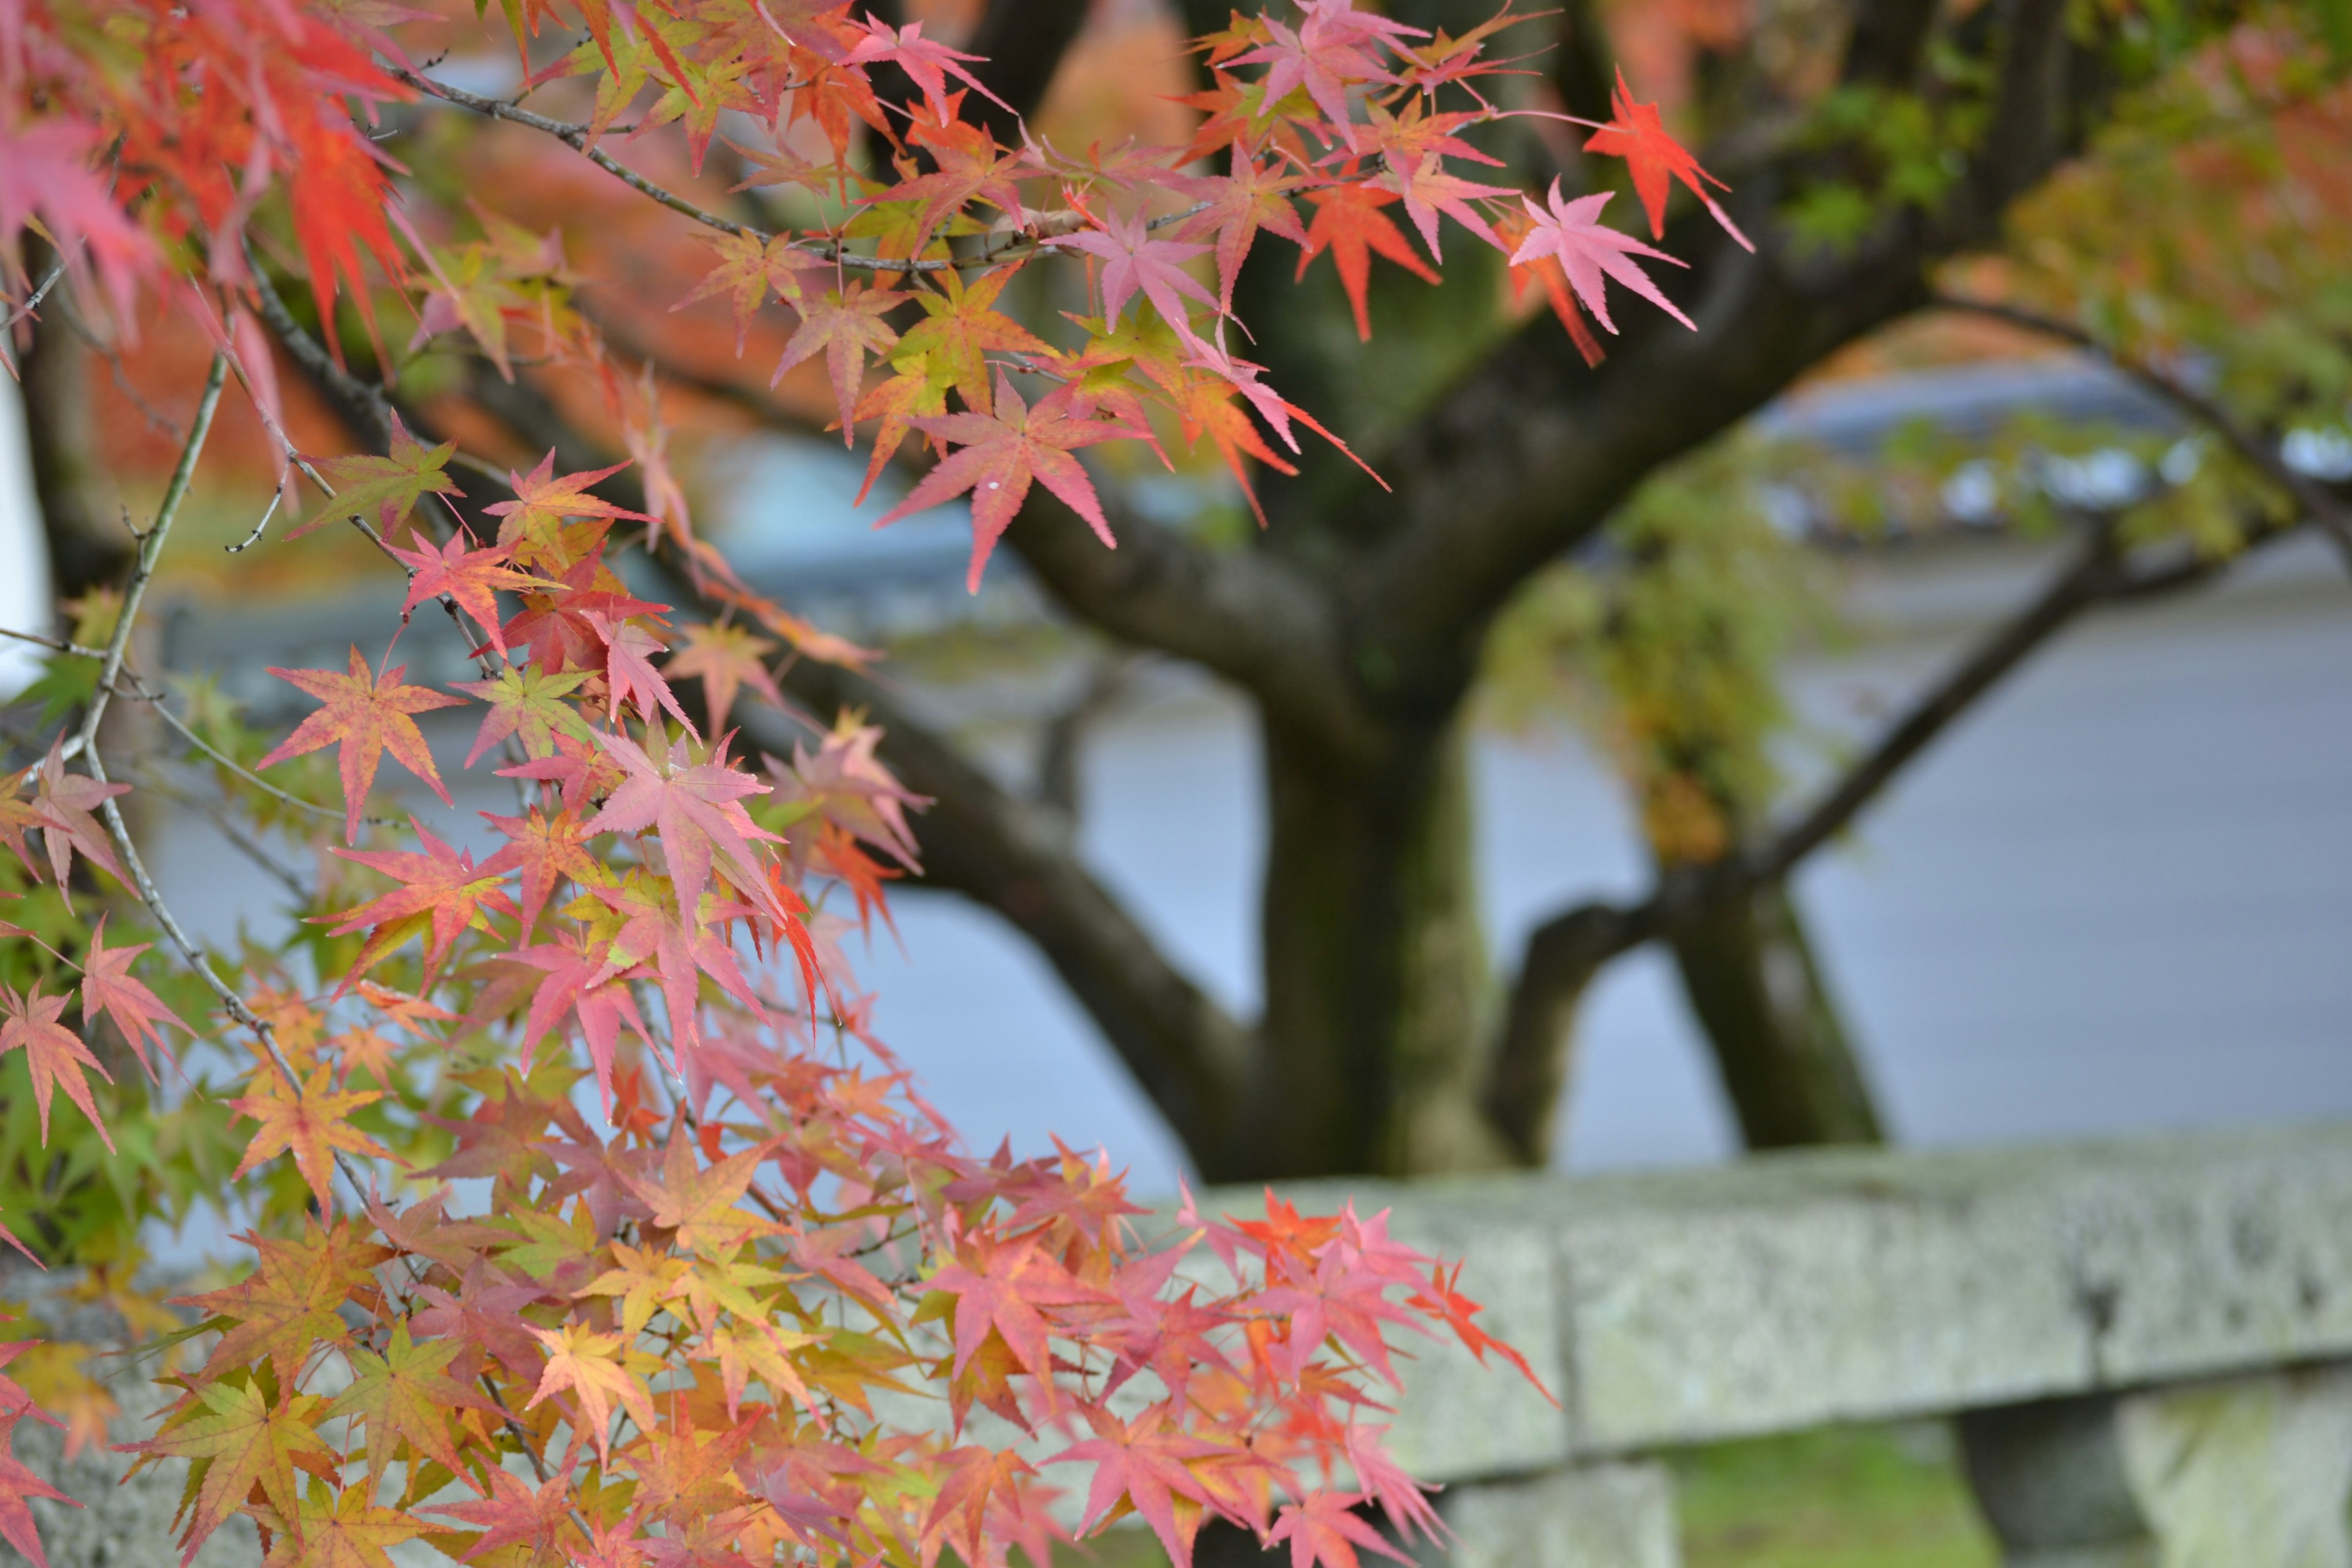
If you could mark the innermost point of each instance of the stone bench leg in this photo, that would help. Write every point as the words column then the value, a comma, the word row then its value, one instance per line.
column 2247, row 1472
column 1585, row 1516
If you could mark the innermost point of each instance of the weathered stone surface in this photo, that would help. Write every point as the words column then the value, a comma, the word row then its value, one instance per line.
column 2248, row 1472
column 1583, row 1516
column 1791, row 1290
column 119, row 1524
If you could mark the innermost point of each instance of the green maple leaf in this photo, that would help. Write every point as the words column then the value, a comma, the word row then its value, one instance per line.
column 234, row 1439
column 526, row 703
column 404, row 1396
column 385, row 488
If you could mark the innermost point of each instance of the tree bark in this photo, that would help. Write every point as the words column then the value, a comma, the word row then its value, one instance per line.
column 1781, row 1047
column 87, row 546
column 1377, row 986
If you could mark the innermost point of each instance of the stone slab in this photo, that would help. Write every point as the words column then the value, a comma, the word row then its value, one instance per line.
column 1788, row 1292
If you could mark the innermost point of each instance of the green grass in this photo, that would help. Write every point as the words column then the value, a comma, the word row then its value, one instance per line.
column 1856, row 1497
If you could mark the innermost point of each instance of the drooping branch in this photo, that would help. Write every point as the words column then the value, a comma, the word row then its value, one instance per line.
column 1563, row 955
column 979, row 839
column 2333, row 515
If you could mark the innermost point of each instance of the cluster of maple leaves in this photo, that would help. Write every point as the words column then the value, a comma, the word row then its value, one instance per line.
column 772, row 1312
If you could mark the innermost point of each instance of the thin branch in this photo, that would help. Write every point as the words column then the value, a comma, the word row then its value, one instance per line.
column 150, row 545
column 2333, row 516
column 57, row 643
column 1563, row 955
column 238, row 839
column 575, row 135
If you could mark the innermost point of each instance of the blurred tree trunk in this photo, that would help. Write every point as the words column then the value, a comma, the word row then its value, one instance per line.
column 87, row 546
column 1782, row 1050
column 1377, row 984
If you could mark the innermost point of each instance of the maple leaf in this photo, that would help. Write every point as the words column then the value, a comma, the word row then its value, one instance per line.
column 1324, row 56
column 526, row 703
column 108, row 987
column 1326, row 1530
column 926, row 62
column 596, row 1370
column 1144, row 1463
column 342, row 1531
column 406, row 1396
column 444, row 892
column 288, row 1304
column 18, row 1485
column 725, row 657
column 1545, row 269
column 960, row 326
column 309, row 1122
column 581, row 980
column 699, row 1202
column 469, row 577
column 695, row 806
column 1001, row 454
column 1252, row 197
column 852, row 789
column 543, row 847
column 844, row 326
column 366, row 716
column 1133, row 261
column 1428, row 190
column 749, row 270
column 516, row 1515
column 55, row 1054
column 629, row 674
column 1656, row 160
column 1588, row 251
column 530, row 526
column 1348, row 223
column 1001, row 1288
column 385, row 488
column 19, row 816
column 974, row 1476
column 48, row 162
column 64, row 802
column 748, row 1349
column 237, row 1440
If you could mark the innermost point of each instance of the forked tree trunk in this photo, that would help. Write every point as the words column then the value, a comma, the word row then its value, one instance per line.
column 1378, row 994
column 1780, row 1049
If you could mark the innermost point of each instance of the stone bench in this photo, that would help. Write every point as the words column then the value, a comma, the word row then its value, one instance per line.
column 2147, row 1345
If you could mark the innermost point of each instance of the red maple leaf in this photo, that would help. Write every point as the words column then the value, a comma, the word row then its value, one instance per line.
column 1001, row 454
column 470, row 577
column 514, row 1514
column 1635, row 133
column 1131, row 260
column 366, row 715
column 1250, row 198
column 695, row 806
column 545, row 848
column 1325, row 1529
column 444, row 893
column 18, row 1485
column 1349, row 223
column 53, row 1052
column 1145, row 1463
column 107, row 987
column 1588, row 251
column 544, row 499
column 844, row 326
column 725, row 657
column 925, row 60
column 64, row 802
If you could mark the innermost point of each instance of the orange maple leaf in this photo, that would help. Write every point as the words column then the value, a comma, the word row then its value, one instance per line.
column 1349, row 223
column 368, row 715
column 308, row 1122
column 726, row 658
column 595, row 1369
